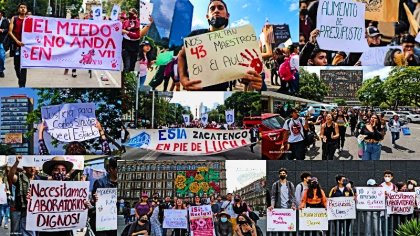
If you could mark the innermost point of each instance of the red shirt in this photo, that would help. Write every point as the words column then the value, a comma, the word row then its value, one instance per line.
column 17, row 27
column 133, row 26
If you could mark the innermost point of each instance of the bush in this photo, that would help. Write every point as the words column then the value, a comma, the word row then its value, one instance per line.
column 410, row 228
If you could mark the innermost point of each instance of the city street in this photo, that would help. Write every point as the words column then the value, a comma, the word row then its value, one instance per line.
column 55, row 78
column 407, row 147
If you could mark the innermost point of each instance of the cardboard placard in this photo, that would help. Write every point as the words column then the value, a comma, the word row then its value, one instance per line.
column 401, row 203
column 375, row 56
column 175, row 219
column 313, row 219
column 201, row 220
column 146, row 9
column 341, row 208
column 281, row 220
column 106, row 209
column 370, row 198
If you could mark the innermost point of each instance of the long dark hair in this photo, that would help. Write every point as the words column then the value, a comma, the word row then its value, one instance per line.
column 150, row 55
column 310, row 193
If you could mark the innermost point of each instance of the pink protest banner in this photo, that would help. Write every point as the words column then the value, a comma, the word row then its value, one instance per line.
column 201, row 220
column 71, row 43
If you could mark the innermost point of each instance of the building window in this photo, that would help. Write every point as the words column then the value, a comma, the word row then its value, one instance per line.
column 169, row 184
column 169, row 176
column 159, row 175
column 153, row 167
column 138, row 168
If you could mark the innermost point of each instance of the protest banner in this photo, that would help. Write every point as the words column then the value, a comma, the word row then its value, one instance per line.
column 12, row 138
column 191, row 141
column 106, row 209
column 381, row 10
column 230, row 116
column 71, row 43
column 341, row 25
column 71, row 122
column 281, row 33
column 3, row 195
column 223, row 55
column 401, row 203
column 313, row 219
column 370, row 198
column 201, row 220
column 281, row 220
column 417, row 191
column 38, row 161
column 146, row 9
column 57, row 205
column 341, row 208
column 115, row 12
column 375, row 56
column 175, row 219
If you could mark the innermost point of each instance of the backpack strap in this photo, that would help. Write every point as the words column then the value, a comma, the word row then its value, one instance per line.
column 277, row 194
column 301, row 187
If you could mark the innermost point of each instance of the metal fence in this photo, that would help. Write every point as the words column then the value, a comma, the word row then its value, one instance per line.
column 367, row 223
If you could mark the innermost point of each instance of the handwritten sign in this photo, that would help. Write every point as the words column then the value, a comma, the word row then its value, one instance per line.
column 38, row 161
column 381, row 10
column 417, row 190
column 313, row 219
column 12, row 138
column 175, row 219
column 375, row 56
column 3, row 195
column 201, row 220
column 370, row 198
column 342, row 25
column 71, row 43
column 146, row 9
column 106, row 209
column 341, row 208
column 281, row 33
column 183, row 141
column 281, row 220
column 59, row 209
column 401, row 203
column 71, row 122
column 223, row 55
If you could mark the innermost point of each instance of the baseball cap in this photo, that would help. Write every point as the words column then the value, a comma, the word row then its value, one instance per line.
column 372, row 31
column 371, row 182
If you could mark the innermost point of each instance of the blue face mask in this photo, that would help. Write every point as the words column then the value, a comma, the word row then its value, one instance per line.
column 223, row 219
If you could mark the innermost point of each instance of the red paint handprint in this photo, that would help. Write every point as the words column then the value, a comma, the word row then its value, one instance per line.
column 255, row 62
column 114, row 63
column 116, row 27
column 25, row 54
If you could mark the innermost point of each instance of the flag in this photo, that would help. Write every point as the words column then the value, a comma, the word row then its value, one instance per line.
column 186, row 119
column 204, row 118
column 97, row 12
column 230, row 116
column 115, row 12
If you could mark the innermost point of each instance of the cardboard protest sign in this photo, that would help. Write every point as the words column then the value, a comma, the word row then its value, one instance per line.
column 223, row 55
column 370, row 198
column 341, row 25
column 341, row 208
column 201, row 220
column 106, row 209
column 381, row 10
column 175, row 219
column 12, row 138
column 115, row 12
column 71, row 43
column 281, row 33
column 417, row 191
column 71, row 122
column 281, row 220
column 3, row 195
column 97, row 12
column 375, row 56
column 313, row 219
column 146, row 9
column 414, row 25
column 401, row 203
column 190, row 141
column 57, row 205
column 38, row 161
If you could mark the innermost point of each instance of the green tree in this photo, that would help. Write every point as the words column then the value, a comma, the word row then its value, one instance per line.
column 245, row 104
column 311, row 86
column 340, row 102
column 372, row 92
column 402, row 86
column 7, row 149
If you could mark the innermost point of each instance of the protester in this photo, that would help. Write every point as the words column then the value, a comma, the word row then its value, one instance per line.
column 283, row 192
column 395, row 128
column 372, row 137
column 131, row 41
column 228, row 207
column 305, row 177
column 329, row 136
column 179, row 205
column 342, row 123
column 146, row 61
column 342, row 190
column 4, row 29
column 254, row 137
column 314, row 196
column 143, row 207
column 240, row 207
column 140, row 227
column 223, row 227
column 245, row 226
column 4, row 208
column 296, row 126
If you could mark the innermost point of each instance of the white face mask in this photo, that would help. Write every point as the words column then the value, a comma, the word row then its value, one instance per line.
column 410, row 186
column 387, row 179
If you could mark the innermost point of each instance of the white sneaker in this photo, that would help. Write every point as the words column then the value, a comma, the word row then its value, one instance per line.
column 393, row 145
column 6, row 227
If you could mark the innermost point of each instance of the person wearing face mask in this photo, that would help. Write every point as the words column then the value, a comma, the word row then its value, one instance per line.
column 302, row 186
column 342, row 190
column 388, row 187
column 372, row 137
column 314, row 196
column 283, row 193
column 408, row 43
column 228, row 207
column 240, row 207
column 245, row 226
column 131, row 41
column 140, row 227
column 218, row 19
column 224, row 227
column 371, row 216
column 411, row 185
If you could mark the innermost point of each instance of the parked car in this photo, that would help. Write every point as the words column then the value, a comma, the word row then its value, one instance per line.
column 317, row 112
column 390, row 114
column 272, row 132
column 411, row 117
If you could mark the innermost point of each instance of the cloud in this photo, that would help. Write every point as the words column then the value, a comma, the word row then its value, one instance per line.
column 199, row 22
column 293, row 6
column 245, row 5
column 240, row 22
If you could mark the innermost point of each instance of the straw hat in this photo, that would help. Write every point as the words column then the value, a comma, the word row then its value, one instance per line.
column 48, row 166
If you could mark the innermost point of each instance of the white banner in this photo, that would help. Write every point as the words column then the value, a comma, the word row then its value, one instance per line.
column 370, row 198
column 342, row 25
column 71, row 43
column 71, row 122
column 175, row 219
column 375, row 56
column 341, row 208
column 204, row 119
column 146, row 9
column 106, row 209
column 116, row 9
column 313, row 219
column 230, row 116
column 201, row 220
column 186, row 119
column 190, row 141
column 3, row 195
column 401, row 203
column 97, row 12
column 38, row 161
column 57, row 205
column 281, row 220
column 223, row 55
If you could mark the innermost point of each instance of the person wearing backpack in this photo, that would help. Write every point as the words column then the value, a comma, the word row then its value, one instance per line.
column 286, row 74
column 329, row 136
column 4, row 28
column 294, row 66
column 283, row 192
column 302, row 186
column 297, row 126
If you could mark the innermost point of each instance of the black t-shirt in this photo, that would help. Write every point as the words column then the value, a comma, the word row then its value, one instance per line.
column 216, row 87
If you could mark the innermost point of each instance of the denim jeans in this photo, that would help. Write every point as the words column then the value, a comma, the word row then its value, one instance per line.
column 372, row 152
column 2, row 58
column 4, row 212
column 395, row 136
column 141, row 82
column 18, row 224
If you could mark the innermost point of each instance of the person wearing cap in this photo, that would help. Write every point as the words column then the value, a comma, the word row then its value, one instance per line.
column 395, row 128
column 296, row 127
column 218, row 19
column 224, row 227
column 314, row 196
column 143, row 207
column 20, row 181
column 408, row 42
column 371, row 217
column 131, row 40
column 228, row 207
column 145, row 61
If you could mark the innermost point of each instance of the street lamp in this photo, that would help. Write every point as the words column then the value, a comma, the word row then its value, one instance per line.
column 49, row 8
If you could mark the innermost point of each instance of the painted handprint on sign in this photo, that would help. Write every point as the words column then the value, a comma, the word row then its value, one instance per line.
column 114, row 63
column 87, row 58
column 254, row 62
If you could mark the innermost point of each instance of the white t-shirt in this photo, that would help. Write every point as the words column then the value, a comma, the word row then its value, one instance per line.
column 395, row 126
column 294, row 62
column 296, row 129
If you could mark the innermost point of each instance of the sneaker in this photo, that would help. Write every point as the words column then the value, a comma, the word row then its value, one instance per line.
column 393, row 145
column 6, row 226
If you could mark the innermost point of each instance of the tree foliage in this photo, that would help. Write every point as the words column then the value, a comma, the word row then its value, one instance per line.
column 7, row 149
column 245, row 104
column 311, row 86
column 372, row 92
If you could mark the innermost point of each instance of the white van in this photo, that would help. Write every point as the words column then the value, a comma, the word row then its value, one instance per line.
column 322, row 106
